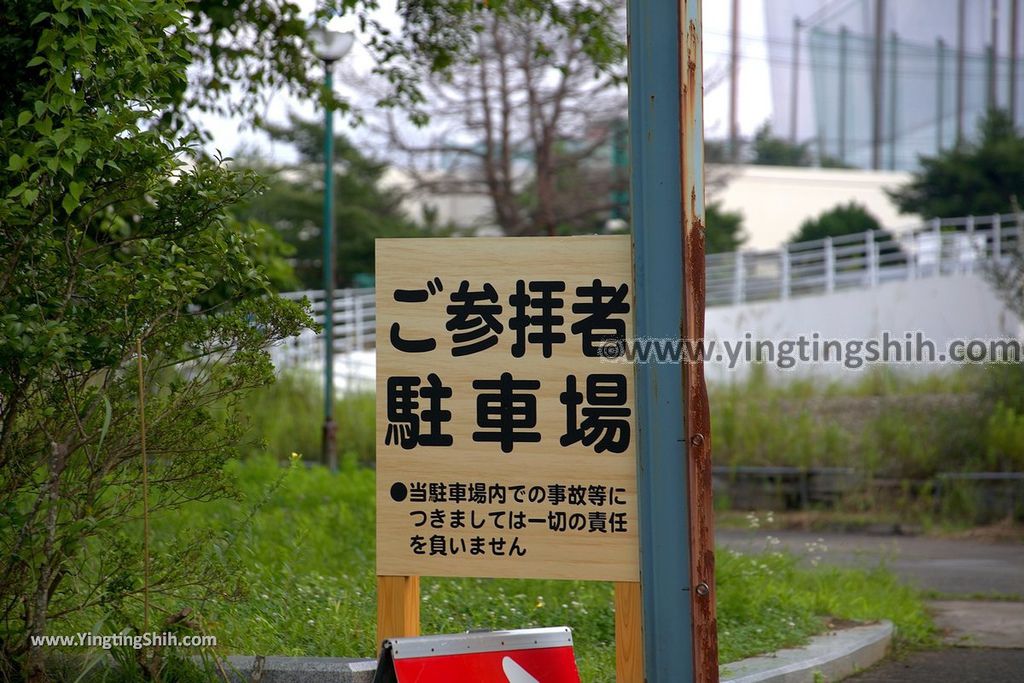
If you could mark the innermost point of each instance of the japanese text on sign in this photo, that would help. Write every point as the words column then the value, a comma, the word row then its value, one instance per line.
column 505, row 443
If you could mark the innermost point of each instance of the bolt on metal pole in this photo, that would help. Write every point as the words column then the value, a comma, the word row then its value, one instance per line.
column 330, row 429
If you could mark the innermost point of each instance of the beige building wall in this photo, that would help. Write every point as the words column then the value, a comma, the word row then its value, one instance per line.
column 775, row 200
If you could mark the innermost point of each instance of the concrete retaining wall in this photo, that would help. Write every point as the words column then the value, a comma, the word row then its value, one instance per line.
column 941, row 309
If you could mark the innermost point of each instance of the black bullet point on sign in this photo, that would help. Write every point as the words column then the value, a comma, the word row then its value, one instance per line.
column 399, row 492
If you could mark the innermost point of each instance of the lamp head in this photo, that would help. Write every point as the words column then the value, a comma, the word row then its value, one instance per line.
column 331, row 46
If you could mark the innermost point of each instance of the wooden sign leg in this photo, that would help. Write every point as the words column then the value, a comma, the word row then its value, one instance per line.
column 398, row 607
column 629, row 644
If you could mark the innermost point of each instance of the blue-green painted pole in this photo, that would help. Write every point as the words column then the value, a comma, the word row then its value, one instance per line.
column 673, row 445
column 330, row 453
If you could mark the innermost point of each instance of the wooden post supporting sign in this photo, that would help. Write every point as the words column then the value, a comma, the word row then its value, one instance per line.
column 398, row 607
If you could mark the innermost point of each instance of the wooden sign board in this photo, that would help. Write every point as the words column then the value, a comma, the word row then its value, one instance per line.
column 505, row 439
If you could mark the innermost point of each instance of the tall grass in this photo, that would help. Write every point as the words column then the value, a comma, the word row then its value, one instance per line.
column 287, row 417
column 888, row 424
column 300, row 544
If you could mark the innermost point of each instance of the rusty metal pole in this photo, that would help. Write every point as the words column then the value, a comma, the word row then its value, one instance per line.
column 672, row 417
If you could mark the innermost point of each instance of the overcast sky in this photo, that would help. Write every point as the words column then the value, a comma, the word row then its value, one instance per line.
column 754, row 82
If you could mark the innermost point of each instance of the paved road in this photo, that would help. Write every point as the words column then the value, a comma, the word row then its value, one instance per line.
column 956, row 664
column 950, row 567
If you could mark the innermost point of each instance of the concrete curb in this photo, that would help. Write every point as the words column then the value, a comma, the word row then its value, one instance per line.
column 833, row 656
column 247, row 669
column 829, row 657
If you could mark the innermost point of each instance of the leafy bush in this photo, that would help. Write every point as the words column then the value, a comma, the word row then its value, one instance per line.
column 979, row 178
column 1005, row 439
column 723, row 229
column 771, row 150
column 842, row 219
column 111, row 240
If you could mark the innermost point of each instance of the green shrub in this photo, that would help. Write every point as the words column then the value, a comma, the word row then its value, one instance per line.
column 1005, row 439
column 116, row 246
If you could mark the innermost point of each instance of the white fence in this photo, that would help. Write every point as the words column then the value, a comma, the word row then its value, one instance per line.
column 949, row 246
column 864, row 260
column 355, row 319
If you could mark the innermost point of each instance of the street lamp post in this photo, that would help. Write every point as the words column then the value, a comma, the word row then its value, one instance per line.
column 330, row 46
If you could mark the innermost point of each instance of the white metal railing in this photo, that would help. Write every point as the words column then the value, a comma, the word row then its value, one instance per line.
column 942, row 247
column 355, row 319
column 863, row 260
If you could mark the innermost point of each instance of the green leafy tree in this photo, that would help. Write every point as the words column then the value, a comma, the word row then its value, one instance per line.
column 770, row 150
column 241, row 50
column 723, row 229
column 245, row 48
column 975, row 179
column 292, row 205
column 109, row 240
column 851, row 219
column 842, row 219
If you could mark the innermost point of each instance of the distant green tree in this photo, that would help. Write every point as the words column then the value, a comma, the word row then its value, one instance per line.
column 770, row 150
column 723, row 230
column 293, row 203
column 843, row 219
column 850, row 219
column 717, row 152
column 979, row 178
column 829, row 161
